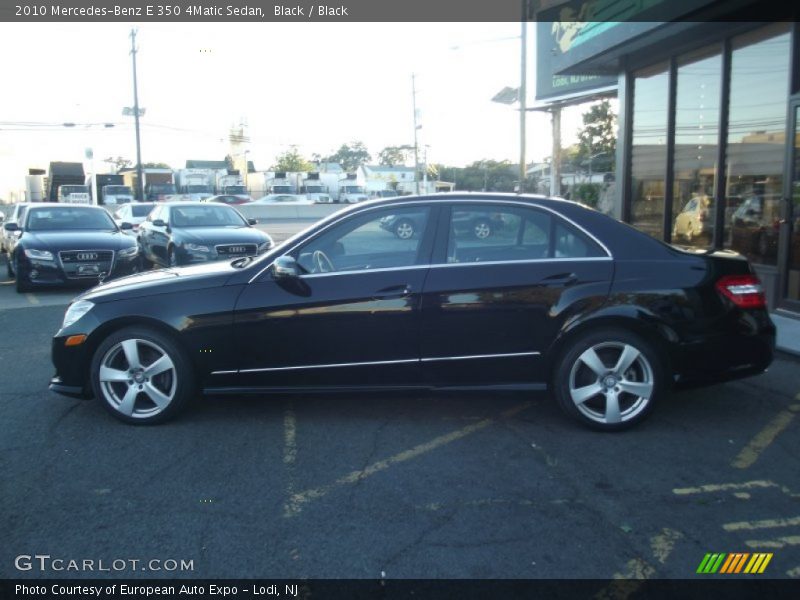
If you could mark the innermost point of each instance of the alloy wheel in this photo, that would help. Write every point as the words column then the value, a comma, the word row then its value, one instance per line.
column 482, row 230
column 404, row 230
column 138, row 378
column 611, row 382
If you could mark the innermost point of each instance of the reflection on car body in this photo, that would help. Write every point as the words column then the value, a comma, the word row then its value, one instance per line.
column 560, row 297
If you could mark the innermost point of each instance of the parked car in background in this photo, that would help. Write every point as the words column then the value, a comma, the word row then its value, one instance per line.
column 755, row 226
column 562, row 297
column 182, row 233
column 283, row 199
column 8, row 239
column 230, row 199
column 134, row 213
column 695, row 220
column 63, row 244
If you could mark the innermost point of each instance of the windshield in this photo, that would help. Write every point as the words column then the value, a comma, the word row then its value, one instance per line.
column 353, row 189
column 142, row 210
column 118, row 190
column 69, row 219
column 210, row 215
column 235, row 189
column 282, row 189
column 162, row 188
column 315, row 189
column 73, row 189
column 198, row 189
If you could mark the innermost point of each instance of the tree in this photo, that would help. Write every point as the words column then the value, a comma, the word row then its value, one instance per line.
column 597, row 143
column 291, row 161
column 155, row 165
column 394, row 155
column 118, row 162
column 350, row 156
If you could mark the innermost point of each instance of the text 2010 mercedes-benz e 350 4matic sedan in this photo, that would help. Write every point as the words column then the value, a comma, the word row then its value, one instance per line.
column 557, row 295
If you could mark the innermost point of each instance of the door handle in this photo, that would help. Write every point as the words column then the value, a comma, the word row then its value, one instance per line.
column 393, row 291
column 560, row 279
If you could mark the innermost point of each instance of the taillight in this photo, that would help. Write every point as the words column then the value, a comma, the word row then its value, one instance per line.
column 744, row 291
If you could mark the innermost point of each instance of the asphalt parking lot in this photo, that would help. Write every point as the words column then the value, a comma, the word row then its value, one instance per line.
column 401, row 486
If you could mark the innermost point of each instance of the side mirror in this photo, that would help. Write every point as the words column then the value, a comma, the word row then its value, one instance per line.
column 11, row 226
column 125, row 225
column 159, row 223
column 252, row 221
column 285, row 267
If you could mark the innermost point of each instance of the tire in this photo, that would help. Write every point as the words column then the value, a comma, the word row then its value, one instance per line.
column 589, row 377
column 20, row 284
column 404, row 229
column 172, row 258
column 482, row 229
column 141, row 376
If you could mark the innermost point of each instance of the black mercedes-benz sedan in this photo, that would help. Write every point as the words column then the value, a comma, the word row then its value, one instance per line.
column 560, row 298
column 183, row 233
column 63, row 244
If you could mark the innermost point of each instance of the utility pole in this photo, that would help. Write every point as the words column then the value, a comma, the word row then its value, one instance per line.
column 139, row 172
column 555, row 163
column 416, row 146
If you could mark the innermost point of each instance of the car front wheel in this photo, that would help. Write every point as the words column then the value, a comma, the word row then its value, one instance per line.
column 141, row 376
column 609, row 379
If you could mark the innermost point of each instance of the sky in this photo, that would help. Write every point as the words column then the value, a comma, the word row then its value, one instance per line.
column 310, row 85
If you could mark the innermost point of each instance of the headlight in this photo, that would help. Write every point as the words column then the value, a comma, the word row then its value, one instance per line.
column 75, row 311
column 128, row 252
column 195, row 247
column 38, row 254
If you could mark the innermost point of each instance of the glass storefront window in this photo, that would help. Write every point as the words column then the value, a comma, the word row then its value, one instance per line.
column 697, row 108
column 649, row 151
column 759, row 87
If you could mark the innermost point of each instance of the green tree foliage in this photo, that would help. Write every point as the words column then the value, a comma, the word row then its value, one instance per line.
column 118, row 162
column 291, row 161
column 597, row 141
column 350, row 156
column 155, row 165
column 391, row 156
column 489, row 175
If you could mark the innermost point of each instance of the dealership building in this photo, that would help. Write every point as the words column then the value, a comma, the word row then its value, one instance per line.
column 708, row 151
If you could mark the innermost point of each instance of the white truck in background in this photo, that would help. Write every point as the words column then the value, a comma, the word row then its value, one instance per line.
column 195, row 184
column 230, row 182
column 313, row 188
column 350, row 191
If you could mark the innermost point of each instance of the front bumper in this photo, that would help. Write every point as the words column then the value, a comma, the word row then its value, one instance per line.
column 49, row 273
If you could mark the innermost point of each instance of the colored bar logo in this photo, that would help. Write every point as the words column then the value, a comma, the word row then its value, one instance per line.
column 736, row 562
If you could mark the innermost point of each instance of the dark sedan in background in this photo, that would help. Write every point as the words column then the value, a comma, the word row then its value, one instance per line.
column 182, row 233
column 562, row 297
column 63, row 244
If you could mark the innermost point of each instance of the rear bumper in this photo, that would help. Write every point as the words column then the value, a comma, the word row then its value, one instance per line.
column 745, row 348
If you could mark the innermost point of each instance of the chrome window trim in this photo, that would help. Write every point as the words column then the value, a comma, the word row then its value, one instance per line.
column 454, row 201
column 380, row 362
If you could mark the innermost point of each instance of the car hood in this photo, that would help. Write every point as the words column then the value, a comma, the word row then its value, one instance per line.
column 217, row 235
column 162, row 281
column 76, row 240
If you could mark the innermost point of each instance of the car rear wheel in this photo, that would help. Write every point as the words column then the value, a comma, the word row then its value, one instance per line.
column 404, row 229
column 608, row 379
column 482, row 229
column 141, row 376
